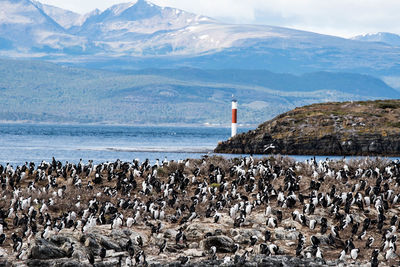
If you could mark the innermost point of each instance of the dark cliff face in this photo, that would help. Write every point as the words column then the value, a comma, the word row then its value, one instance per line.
column 367, row 145
column 359, row 128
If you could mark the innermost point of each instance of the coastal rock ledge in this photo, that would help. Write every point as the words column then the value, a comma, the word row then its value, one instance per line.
column 365, row 128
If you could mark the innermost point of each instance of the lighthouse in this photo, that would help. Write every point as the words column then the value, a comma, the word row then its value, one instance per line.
column 234, row 117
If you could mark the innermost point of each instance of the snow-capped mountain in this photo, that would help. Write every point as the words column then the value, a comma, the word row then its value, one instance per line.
column 167, row 56
column 65, row 18
column 140, row 27
column 26, row 28
column 383, row 37
column 140, row 34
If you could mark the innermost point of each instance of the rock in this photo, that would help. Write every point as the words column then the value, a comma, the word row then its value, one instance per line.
column 194, row 253
column 73, row 264
column 136, row 234
column 234, row 231
column 107, row 243
column 218, row 232
column 272, row 261
column 241, row 239
column 5, row 263
column 45, row 250
column 169, row 233
column 223, row 243
column 282, row 234
column 90, row 241
column 290, row 224
column 122, row 233
column 194, row 245
column 60, row 239
column 242, row 236
column 3, row 253
column 175, row 247
column 58, row 262
column 41, row 263
column 314, row 130
column 259, row 218
column 121, row 236
column 197, row 230
column 79, row 254
column 109, row 263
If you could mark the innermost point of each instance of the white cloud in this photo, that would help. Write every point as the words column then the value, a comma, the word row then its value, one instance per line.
column 338, row 17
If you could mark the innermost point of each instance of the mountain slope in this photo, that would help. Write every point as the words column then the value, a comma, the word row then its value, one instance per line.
column 26, row 28
column 45, row 92
column 140, row 28
column 383, row 37
column 140, row 35
column 64, row 18
column 309, row 82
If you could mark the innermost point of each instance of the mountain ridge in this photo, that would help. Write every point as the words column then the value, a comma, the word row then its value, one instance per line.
column 160, row 62
column 382, row 37
column 45, row 92
column 143, row 34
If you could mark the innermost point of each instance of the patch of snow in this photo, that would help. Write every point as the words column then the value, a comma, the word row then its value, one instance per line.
column 119, row 8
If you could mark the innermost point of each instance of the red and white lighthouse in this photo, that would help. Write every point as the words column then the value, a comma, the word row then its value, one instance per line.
column 234, row 117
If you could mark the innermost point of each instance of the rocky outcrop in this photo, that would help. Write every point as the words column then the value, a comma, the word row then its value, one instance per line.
column 44, row 250
column 222, row 243
column 350, row 128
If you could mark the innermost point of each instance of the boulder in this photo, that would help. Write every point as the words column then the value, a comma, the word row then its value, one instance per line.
column 241, row 239
column 283, row 234
column 175, row 247
column 41, row 263
column 59, row 240
column 223, row 243
column 44, row 250
column 107, row 243
column 197, row 230
column 170, row 233
column 194, row 245
column 5, row 263
column 194, row 253
column 91, row 243
column 3, row 253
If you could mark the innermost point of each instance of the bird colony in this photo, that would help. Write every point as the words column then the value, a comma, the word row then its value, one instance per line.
column 209, row 211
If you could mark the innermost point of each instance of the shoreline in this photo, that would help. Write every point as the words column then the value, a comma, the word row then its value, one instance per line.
column 105, row 124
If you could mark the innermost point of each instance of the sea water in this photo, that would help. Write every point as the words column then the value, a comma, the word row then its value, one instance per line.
column 20, row 143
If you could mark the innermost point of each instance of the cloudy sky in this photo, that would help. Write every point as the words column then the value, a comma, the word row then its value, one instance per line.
column 344, row 18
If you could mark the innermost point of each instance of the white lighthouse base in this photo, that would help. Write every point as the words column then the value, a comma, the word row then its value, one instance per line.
column 234, row 129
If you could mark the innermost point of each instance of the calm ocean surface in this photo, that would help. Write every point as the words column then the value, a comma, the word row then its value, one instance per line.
column 32, row 142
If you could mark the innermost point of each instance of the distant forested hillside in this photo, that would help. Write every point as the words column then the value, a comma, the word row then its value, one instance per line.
column 45, row 92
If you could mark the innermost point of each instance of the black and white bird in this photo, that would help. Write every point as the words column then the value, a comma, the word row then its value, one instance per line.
column 354, row 253
column 315, row 241
column 180, row 236
column 162, row 246
column 342, row 256
column 374, row 258
column 370, row 242
column 253, row 240
column 213, row 253
column 267, row 236
column 335, row 231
